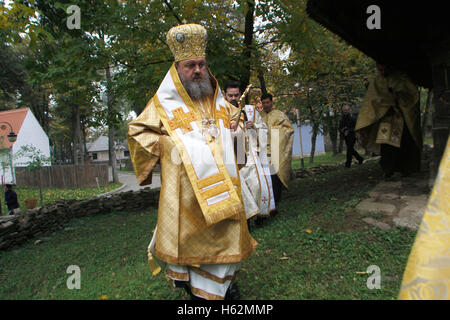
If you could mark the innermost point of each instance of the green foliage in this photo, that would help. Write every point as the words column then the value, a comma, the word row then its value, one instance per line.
column 36, row 159
column 59, row 73
column 317, row 73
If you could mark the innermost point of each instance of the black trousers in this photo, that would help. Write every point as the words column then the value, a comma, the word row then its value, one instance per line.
column 405, row 159
column 351, row 152
column 277, row 187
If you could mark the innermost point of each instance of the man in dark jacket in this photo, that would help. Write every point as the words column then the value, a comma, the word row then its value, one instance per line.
column 347, row 128
column 11, row 199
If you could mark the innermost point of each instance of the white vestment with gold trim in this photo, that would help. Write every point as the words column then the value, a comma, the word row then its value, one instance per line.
column 256, row 172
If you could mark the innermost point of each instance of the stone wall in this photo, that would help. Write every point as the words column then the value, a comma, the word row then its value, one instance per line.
column 24, row 226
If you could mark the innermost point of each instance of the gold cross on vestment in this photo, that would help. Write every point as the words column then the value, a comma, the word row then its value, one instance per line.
column 264, row 199
column 181, row 120
column 222, row 114
column 250, row 113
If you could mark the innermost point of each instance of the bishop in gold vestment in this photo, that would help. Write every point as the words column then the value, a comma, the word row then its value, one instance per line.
column 201, row 232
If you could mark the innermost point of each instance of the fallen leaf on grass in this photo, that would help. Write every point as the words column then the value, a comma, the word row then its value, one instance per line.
column 361, row 272
column 284, row 258
column 104, row 297
column 333, row 199
column 308, row 231
column 157, row 270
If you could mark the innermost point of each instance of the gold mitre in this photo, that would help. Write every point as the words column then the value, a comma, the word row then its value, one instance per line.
column 187, row 41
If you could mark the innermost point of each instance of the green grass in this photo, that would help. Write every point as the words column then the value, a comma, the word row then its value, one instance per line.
column 323, row 159
column 323, row 264
column 428, row 139
column 111, row 250
column 49, row 195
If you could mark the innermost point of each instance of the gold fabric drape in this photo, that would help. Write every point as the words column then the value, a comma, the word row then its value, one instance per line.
column 280, row 150
column 182, row 235
column 427, row 274
column 375, row 126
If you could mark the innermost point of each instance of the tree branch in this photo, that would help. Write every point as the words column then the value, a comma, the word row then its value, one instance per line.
column 173, row 11
column 235, row 30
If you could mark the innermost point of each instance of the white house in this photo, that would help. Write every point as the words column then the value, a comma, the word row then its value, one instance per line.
column 98, row 150
column 29, row 132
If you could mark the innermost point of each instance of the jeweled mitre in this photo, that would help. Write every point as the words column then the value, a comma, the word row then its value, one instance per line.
column 187, row 41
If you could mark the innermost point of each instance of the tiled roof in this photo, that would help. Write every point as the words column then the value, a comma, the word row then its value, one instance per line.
column 15, row 118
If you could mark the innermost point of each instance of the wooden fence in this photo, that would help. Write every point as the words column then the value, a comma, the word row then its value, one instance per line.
column 64, row 176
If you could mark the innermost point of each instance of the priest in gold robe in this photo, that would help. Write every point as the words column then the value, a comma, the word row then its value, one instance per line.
column 389, row 122
column 427, row 274
column 201, row 235
column 279, row 145
column 255, row 172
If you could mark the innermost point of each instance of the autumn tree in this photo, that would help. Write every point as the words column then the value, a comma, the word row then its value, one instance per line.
column 321, row 73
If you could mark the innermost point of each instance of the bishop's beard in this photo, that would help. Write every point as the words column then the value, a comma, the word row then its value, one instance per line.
column 198, row 90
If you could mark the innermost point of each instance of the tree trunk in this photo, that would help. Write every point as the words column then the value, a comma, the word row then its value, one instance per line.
column 74, row 136
column 112, row 154
column 83, row 136
column 46, row 113
column 300, row 140
column 315, row 128
column 78, row 135
column 40, row 186
column 111, row 131
column 341, row 143
column 313, row 141
column 262, row 82
column 441, row 102
column 334, row 142
column 248, row 40
column 333, row 133
column 426, row 112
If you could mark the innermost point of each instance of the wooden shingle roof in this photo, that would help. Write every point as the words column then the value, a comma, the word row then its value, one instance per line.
column 410, row 31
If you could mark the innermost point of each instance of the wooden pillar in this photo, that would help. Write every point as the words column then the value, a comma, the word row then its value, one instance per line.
column 440, row 64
